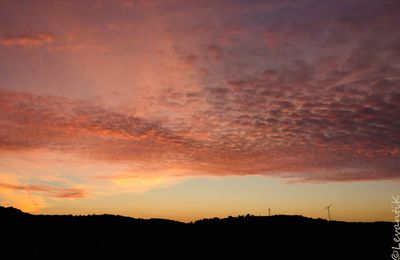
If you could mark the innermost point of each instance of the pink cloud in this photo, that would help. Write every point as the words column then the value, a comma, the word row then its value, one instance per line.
column 47, row 190
column 299, row 89
column 28, row 39
column 284, row 137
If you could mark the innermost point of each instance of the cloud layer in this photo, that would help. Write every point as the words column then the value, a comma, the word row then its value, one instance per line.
column 49, row 191
column 306, row 90
column 28, row 40
column 318, row 136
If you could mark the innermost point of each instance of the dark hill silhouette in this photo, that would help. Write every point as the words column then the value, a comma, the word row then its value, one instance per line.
column 253, row 237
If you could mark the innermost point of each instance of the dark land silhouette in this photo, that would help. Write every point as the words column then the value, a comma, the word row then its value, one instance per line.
column 247, row 237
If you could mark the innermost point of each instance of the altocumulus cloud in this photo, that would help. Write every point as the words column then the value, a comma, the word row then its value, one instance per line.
column 287, row 136
column 307, row 90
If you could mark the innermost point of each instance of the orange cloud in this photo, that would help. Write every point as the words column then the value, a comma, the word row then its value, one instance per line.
column 215, row 144
column 141, row 180
column 314, row 97
column 22, row 199
column 48, row 190
column 28, row 39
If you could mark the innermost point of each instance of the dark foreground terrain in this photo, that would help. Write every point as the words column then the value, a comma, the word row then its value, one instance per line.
column 246, row 237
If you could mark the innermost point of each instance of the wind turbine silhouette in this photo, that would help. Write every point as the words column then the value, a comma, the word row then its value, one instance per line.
column 329, row 213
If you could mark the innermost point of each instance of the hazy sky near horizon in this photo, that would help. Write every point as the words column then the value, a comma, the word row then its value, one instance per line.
column 148, row 107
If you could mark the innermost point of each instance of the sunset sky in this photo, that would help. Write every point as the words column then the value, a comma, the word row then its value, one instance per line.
column 185, row 109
